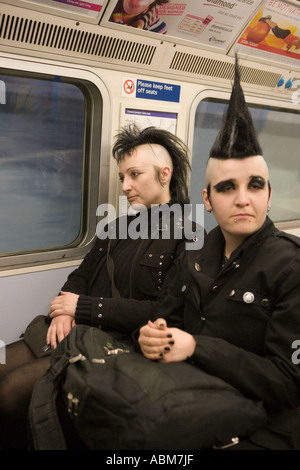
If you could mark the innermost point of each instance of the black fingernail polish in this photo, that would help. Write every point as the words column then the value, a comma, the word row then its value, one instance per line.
column 171, row 342
column 167, row 348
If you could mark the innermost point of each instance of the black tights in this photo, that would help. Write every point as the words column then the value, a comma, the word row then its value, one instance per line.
column 17, row 379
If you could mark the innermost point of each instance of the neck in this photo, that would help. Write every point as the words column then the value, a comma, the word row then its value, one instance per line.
column 231, row 244
column 166, row 198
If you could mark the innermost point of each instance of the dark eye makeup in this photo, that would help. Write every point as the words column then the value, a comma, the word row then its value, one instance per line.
column 255, row 182
column 224, row 186
column 133, row 174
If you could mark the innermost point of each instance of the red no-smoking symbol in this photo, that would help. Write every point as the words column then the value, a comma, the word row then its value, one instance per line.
column 128, row 86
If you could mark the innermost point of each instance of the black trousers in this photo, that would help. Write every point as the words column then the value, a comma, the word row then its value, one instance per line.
column 281, row 33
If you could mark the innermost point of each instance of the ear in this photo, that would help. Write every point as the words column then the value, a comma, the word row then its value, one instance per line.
column 269, row 199
column 206, row 200
column 270, row 195
column 165, row 174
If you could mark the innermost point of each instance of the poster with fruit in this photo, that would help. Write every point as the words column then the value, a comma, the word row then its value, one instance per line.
column 275, row 29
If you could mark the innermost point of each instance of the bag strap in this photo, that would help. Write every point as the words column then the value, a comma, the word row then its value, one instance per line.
column 110, row 269
column 44, row 422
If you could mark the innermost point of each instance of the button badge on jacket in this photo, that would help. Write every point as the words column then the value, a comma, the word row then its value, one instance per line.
column 248, row 297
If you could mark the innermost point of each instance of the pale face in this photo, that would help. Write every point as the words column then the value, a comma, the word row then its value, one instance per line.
column 139, row 178
column 135, row 7
column 239, row 196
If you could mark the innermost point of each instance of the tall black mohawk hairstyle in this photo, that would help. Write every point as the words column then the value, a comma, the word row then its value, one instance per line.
column 237, row 136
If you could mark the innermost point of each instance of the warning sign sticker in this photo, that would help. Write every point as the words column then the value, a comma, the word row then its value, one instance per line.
column 147, row 89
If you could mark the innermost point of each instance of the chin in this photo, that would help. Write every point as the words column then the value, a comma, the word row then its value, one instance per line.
column 246, row 232
column 138, row 206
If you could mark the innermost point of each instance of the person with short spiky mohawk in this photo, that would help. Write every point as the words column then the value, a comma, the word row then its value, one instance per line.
column 121, row 281
column 239, row 296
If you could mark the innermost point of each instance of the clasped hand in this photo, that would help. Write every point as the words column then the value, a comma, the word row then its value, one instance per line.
column 62, row 312
column 64, row 304
column 160, row 343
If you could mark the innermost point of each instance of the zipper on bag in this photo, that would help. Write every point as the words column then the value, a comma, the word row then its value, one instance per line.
column 73, row 404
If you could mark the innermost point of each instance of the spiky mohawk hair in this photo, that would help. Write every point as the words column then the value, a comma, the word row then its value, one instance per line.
column 237, row 136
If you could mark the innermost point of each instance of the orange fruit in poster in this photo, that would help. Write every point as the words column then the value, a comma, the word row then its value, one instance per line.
column 258, row 32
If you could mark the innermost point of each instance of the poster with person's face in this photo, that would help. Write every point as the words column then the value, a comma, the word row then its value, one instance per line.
column 274, row 33
column 86, row 8
column 210, row 22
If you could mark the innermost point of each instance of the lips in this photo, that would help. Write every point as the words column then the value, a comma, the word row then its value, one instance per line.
column 131, row 198
column 242, row 216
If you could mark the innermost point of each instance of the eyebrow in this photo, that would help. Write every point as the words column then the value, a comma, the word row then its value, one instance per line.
column 132, row 168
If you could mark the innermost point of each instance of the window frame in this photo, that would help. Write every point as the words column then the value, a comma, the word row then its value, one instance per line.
column 211, row 93
column 96, row 162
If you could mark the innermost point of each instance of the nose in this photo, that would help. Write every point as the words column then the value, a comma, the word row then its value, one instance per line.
column 126, row 185
column 242, row 197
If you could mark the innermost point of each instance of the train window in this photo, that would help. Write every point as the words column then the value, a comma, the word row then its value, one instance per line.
column 42, row 162
column 278, row 133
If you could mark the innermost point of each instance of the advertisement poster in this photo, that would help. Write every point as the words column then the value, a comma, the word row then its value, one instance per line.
column 274, row 30
column 90, row 8
column 210, row 22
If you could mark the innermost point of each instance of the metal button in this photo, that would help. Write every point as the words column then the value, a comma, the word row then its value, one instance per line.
column 100, row 305
column 232, row 293
column 265, row 302
column 202, row 318
column 161, row 256
column 100, row 315
column 248, row 297
column 150, row 255
column 197, row 267
column 183, row 288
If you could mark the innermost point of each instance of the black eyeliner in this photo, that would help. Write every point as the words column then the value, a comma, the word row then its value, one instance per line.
column 223, row 186
column 258, row 180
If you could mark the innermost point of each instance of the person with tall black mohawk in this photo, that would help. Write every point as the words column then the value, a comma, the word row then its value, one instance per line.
column 237, row 137
column 236, row 302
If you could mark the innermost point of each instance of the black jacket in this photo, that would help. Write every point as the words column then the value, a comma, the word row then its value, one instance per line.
column 151, row 273
column 245, row 318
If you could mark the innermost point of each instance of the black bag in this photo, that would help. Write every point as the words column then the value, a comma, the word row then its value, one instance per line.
column 118, row 399
column 35, row 336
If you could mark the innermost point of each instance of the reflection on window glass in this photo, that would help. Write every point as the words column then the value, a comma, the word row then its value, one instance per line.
column 278, row 134
column 41, row 163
